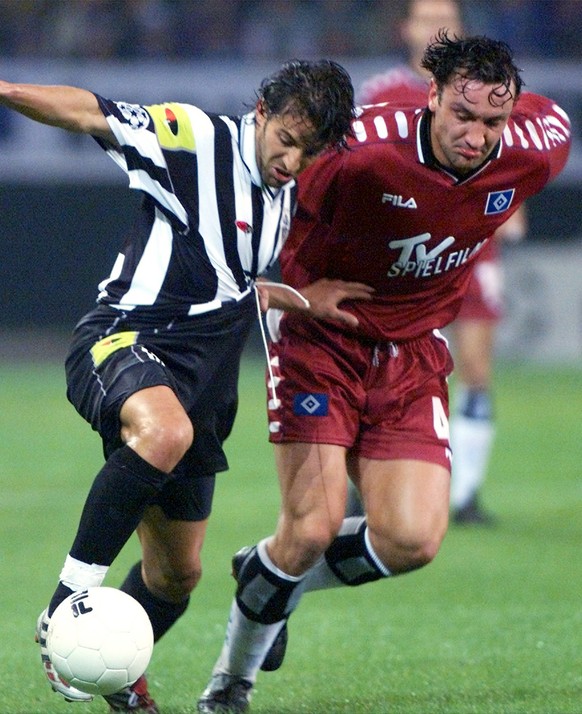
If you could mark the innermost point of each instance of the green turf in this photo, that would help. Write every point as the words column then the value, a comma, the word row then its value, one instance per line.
column 493, row 626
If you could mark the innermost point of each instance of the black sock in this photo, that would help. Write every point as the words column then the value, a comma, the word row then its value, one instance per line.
column 61, row 593
column 162, row 613
column 262, row 595
column 115, row 506
column 349, row 558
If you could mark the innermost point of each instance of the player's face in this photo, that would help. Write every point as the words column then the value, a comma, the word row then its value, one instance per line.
column 284, row 147
column 425, row 19
column 468, row 120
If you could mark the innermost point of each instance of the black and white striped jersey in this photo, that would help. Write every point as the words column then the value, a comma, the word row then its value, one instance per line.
column 208, row 226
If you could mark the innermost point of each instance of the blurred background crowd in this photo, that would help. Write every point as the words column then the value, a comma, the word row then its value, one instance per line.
column 213, row 54
column 268, row 29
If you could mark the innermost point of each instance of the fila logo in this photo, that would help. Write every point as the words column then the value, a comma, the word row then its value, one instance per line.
column 399, row 201
column 78, row 606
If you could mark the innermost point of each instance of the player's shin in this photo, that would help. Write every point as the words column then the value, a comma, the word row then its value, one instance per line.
column 264, row 600
column 113, row 509
column 162, row 613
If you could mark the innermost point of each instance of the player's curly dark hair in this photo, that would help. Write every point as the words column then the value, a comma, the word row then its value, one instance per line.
column 319, row 91
column 473, row 58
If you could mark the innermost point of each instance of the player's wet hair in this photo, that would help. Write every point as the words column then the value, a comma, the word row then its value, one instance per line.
column 473, row 58
column 320, row 92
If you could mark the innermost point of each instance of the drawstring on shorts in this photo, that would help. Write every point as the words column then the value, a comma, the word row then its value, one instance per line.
column 274, row 400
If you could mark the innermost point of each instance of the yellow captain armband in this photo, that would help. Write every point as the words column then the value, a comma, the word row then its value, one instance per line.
column 173, row 127
column 108, row 345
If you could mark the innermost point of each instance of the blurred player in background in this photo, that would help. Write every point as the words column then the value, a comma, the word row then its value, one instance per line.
column 154, row 367
column 473, row 332
column 406, row 211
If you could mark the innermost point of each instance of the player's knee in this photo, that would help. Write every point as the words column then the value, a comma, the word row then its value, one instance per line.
column 165, row 442
column 402, row 553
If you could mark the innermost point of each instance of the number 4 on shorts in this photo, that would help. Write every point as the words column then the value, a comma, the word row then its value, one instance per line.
column 439, row 419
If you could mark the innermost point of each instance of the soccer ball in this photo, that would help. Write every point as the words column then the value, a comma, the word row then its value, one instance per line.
column 100, row 640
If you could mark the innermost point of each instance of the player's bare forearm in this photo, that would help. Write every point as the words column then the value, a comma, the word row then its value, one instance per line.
column 320, row 299
column 69, row 108
column 280, row 297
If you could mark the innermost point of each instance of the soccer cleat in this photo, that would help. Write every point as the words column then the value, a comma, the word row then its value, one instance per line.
column 134, row 698
column 226, row 694
column 473, row 514
column 276, row 654
column 58, row 684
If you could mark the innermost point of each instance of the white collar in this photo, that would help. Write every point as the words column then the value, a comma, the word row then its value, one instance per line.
column 248, row 148
column 248, row 151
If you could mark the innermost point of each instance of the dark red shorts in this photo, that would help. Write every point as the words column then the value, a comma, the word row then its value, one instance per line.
column 379, row 400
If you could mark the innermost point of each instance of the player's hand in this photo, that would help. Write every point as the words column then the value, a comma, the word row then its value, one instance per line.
column 280, row 297
column 325, row 297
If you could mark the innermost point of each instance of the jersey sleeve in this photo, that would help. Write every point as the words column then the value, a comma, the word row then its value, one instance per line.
column 399, row 85
column 140, row 132
column 538, row 124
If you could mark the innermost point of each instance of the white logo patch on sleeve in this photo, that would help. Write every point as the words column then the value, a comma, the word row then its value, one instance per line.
column 135, row 115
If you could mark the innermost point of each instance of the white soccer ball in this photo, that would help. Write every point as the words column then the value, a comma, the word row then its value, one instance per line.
column 100, row 640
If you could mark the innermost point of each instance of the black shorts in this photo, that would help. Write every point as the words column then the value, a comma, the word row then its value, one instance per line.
column 114, row 354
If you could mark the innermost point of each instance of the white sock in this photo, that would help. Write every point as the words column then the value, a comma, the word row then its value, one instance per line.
column 471, row 441
column 245, row 645
column 77, row 575
column 247, row 642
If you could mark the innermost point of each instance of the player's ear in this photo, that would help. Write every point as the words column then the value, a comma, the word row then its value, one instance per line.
column 433, row 95
column 261, row 109
column 260, row 113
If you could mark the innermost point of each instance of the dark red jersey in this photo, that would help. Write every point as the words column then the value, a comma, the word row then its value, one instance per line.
column 387, row 214
column 400, row 84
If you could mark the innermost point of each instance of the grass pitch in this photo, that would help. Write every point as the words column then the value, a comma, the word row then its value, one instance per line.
column 493, row 626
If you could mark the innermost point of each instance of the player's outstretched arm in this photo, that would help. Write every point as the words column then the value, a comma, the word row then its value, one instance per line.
column 61, row 106
column 321, row 299
column 325, row 297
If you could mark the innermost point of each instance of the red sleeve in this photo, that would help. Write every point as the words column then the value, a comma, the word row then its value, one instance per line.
column 539, row 123
column 400, row 93
column 399, row 84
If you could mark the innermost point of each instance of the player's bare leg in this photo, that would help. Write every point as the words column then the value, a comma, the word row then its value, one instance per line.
column 406, row 505
column 157, row 432
column 408, row 502
column 162, row 582
column 313, row 489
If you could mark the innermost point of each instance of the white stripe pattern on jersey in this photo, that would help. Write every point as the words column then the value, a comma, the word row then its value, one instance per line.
column 209, row 225
column 214, row 208
column 151, row 271
column 147, row 144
